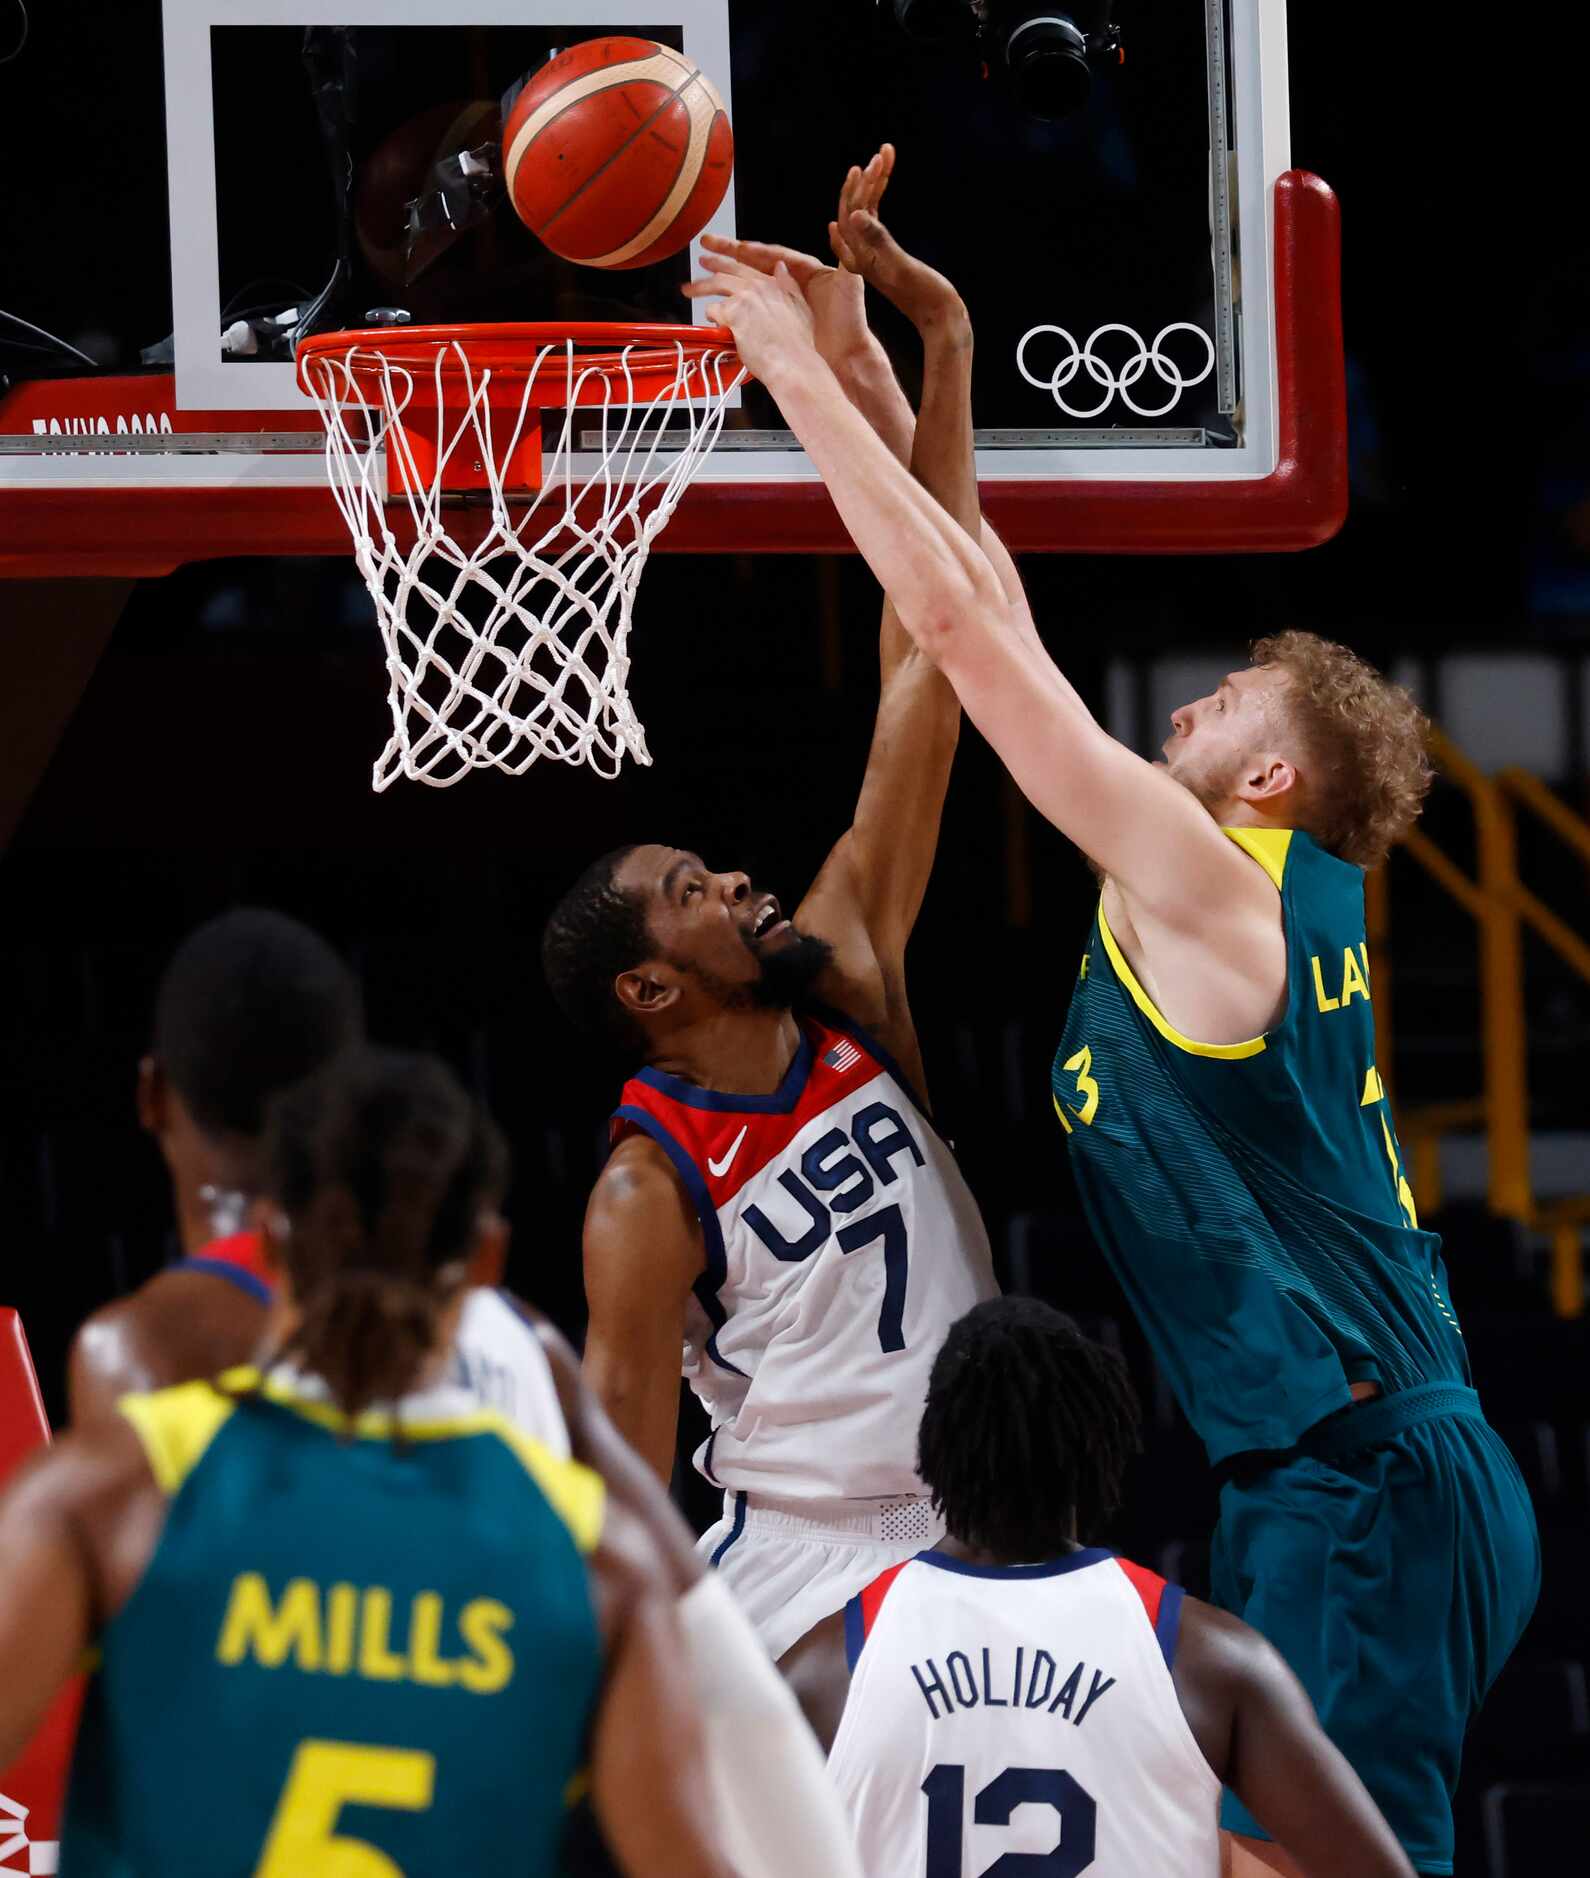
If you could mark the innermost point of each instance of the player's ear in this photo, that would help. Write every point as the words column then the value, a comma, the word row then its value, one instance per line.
column 647, row 991
column 151, row 1096
column 488, row 1256
column 1266, row 778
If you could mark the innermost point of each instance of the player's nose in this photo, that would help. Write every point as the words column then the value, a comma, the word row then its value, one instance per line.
column 1182, row 720
column 735, row 887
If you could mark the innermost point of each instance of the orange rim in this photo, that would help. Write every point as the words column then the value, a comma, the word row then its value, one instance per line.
column 643, row 358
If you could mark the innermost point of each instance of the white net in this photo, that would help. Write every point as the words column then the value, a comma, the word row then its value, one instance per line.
column 513, row 644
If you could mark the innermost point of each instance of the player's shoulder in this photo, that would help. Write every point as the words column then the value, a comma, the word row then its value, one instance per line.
column 178, row 1325
column 1220, row 1654
column 640, row 1221
column 637, row 1178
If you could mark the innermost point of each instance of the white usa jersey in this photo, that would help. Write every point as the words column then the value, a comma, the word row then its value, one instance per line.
column 498, row 1356
column 500, row 1360
column 841, row 1244
column 1023, row 1712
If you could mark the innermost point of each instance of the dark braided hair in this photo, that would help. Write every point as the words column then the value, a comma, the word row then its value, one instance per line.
column 596, row 931
column 382, row 1166
column 1027, row 1431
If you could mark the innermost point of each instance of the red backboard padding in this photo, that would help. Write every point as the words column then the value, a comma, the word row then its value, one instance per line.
column 23, row 1424
column 33, row 1789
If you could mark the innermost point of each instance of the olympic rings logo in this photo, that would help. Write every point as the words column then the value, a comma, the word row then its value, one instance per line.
column 1117, row 383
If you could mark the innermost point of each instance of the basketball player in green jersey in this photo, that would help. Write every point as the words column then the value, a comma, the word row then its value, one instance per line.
column 1228, row 1121
column 344, row 1620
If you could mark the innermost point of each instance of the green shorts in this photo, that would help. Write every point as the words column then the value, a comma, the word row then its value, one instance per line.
column 1392, row 1558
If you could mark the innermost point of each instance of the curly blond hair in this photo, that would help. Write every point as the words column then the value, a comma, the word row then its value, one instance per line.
column 1367, row 768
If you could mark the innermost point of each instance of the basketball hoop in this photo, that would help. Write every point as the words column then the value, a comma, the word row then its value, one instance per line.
column 506, row 603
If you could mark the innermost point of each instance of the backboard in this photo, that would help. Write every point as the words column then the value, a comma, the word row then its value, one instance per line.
column 1155, row 294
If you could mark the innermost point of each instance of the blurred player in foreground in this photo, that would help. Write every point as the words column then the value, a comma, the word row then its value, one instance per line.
column 778, row 1200
column 1229, row 1126
column 1015, row 1691
column 416, row 1621
column 251, row 1003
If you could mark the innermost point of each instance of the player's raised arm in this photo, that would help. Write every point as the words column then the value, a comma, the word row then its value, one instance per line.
column 869, row 893
column 878, row 874
column 836, row 296
column 1142, row 828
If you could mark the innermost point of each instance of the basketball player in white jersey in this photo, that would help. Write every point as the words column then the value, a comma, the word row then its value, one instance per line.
column 778, row 1200
column 1015, row 1694
column 252, row 1003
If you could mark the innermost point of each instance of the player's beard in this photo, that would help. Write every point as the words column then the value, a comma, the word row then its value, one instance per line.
column 784, row 977
column 790, row 972
column 1211, row 786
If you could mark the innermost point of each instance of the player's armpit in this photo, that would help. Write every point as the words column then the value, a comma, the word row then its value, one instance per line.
column 1286, row 1771
column 648, row 1772
column 643, row 1252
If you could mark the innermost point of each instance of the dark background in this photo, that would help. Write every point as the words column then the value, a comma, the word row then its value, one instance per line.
column 222, row 751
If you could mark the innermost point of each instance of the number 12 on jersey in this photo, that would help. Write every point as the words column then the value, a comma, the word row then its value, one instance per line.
column 1076, row 1820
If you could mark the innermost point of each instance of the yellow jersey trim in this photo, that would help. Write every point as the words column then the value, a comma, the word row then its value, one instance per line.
column 1226, row 1052
column 576, row 1493
column 1267, row 846
column 175, row 1428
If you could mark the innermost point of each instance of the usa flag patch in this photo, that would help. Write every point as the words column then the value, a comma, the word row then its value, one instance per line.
column 843, row 1056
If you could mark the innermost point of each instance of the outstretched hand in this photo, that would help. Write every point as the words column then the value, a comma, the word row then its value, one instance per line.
column 767, row 313
column 835, row 295
column 864, row 247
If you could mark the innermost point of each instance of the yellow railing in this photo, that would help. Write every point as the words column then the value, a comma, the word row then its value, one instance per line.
column 1501, row 906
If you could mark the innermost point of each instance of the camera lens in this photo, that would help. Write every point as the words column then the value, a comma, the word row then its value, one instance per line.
column 939, row 22
column 1048, row 60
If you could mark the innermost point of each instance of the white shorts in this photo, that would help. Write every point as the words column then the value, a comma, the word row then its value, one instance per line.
column 791, row 1563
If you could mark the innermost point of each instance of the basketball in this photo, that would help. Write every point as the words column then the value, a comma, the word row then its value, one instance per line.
column 618, row 153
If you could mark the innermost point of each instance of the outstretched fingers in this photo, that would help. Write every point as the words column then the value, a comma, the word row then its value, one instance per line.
column 734, row 289
column 764, row 256
column 877, row 255
column 725, row 274
column 862, row 192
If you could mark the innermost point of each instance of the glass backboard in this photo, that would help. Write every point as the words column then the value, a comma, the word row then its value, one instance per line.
column 1154, row 293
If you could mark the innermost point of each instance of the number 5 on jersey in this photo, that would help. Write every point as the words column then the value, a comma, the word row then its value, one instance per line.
column 325, row 1777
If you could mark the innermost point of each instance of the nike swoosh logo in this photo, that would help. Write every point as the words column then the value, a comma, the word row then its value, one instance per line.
column 719, row 1168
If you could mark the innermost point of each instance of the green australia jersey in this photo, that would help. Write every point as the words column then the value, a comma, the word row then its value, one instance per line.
column 1251, row 1196
column 349, row 1653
